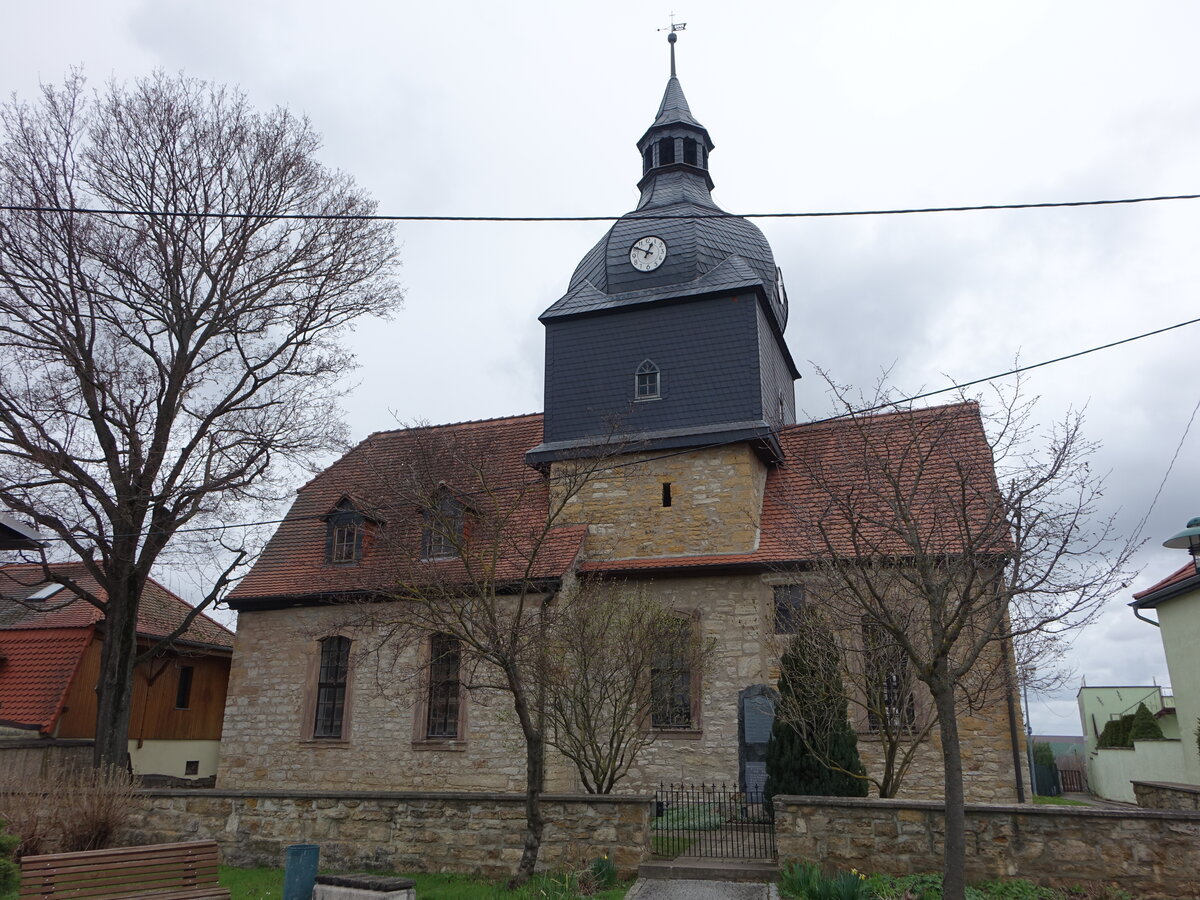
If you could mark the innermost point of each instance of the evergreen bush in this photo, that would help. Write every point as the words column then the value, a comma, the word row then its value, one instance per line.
column 1143, row 727
column 813, row 751
column 1116, row 733
column 10, row 873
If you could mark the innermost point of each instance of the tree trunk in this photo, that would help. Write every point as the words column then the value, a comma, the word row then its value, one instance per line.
column 954, row 859
column 114, row 701
column 535, row 779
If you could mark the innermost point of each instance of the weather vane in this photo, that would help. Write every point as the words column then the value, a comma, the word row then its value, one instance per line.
column 671, row 38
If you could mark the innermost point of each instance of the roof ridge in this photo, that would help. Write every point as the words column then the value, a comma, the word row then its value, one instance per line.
column 877, row 416
column 460, row 424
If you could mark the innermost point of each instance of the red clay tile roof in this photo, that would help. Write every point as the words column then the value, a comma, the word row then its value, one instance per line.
column 1185, row 572
column 36, row 668
column 160, row 612
column 942, row 452
column 390, row 476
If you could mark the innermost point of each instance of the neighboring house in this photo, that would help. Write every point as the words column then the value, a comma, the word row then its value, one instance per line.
column 668, row 352
column 50, row 642
column 16, row 535
column 1174, row 759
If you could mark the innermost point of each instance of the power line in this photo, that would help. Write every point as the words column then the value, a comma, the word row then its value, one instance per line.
column 889, row 404
column 382, row 217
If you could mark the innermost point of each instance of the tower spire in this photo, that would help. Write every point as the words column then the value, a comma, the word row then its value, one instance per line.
column 672, row 38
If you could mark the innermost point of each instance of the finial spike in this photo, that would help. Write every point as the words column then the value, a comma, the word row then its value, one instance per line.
column 672, row 38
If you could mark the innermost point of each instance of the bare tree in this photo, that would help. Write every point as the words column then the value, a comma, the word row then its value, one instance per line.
column 879, row 685
column 614, row 657
column 479, row 553
column 952, row 534
column 163, row 368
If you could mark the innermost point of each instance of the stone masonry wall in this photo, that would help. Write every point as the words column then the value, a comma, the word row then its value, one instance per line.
column 1151, row 854
column 1165, row 795
column 716, row 502
column 266, row 747
column 406, row 832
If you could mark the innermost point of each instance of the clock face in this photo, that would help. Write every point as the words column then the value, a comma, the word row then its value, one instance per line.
column 647, row 254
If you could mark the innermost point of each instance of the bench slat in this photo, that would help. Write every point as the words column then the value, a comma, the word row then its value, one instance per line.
column 187, row 871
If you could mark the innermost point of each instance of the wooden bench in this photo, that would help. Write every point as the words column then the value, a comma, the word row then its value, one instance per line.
column 167, row 871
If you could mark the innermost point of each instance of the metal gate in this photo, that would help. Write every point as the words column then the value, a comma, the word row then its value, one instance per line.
column 712, row 821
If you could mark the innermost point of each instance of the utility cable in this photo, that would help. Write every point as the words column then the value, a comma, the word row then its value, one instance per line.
column 889, row 404
column 716, row 214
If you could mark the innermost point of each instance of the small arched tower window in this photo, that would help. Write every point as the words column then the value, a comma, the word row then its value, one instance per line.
column 648, row 159
column 666, row 151
column 689, row 152
column 646, row 385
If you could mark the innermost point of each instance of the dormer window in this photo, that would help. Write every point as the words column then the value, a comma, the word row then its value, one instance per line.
column 345, row 527
column 646, row 384
column 442, row 533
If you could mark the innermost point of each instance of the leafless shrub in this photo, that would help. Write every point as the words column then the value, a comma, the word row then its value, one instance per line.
column 68, row 809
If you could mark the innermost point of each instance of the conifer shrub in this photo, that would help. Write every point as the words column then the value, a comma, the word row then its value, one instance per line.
column 813, row 751
column 1143, row 727
column 1116, row 733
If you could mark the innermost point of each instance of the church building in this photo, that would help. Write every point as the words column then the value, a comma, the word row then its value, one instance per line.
column 666, row 373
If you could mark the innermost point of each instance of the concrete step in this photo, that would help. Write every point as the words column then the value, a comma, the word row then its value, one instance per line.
column 710, row 869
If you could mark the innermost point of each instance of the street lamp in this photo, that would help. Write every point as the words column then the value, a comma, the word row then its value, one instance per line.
column 1189, row 540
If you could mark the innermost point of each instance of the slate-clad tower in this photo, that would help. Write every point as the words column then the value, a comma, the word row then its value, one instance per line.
column 670, row 334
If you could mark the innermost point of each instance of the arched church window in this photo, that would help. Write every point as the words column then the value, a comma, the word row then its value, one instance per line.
column 646, row 381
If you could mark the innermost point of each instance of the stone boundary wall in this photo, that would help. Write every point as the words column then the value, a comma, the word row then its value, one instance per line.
column 1150, row 853
column 1167, row 795
column 473, row 833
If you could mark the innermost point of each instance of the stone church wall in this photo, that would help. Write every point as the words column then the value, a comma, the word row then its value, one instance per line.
column 266, row 745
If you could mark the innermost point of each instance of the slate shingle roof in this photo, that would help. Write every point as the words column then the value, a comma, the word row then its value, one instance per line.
column 392, row 472
column 160, row 612
column 953, row 449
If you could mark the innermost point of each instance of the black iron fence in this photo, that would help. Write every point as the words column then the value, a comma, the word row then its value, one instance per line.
column 712, row 821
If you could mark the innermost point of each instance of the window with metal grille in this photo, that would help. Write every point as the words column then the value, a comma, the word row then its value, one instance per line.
column 442, row 535
column 671, row 681
column 445, row 662
column 646, row 382
column 331, row 687
column 891, row 703
column 789, row 604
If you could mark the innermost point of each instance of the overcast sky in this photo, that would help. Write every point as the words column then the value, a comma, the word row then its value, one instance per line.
column 534, row 108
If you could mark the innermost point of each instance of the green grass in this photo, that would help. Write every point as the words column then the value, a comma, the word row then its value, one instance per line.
column 1057, row 801
column 261, row 884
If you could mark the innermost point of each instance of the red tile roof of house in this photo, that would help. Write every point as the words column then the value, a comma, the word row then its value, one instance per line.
column 36, row 668
column 159, row 614
column 1182, row 574
column 389, row 477
column 942, row 452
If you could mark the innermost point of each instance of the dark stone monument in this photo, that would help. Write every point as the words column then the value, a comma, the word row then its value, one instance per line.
column 756, row 715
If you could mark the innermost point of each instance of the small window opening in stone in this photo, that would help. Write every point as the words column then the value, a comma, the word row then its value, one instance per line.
column 191, row 767
column 666, row 151
column 689, row 151
column 648, row 159
column 666, row 493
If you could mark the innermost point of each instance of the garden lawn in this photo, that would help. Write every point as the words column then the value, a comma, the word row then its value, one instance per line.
column 260, row 884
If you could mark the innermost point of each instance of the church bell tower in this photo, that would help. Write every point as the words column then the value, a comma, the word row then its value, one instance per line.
column 670, row 334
